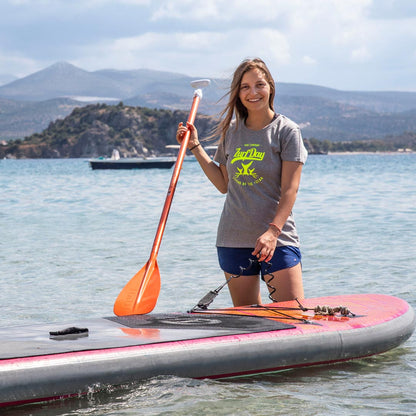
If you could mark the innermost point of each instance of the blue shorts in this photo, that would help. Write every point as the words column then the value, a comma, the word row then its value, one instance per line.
column 240, row 261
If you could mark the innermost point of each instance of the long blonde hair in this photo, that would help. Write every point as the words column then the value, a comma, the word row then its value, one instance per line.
column 235, row 106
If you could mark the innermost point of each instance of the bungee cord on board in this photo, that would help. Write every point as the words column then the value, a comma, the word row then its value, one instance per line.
column 202, row 305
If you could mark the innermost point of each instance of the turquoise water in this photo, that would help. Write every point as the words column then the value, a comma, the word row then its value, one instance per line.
column 70, row 239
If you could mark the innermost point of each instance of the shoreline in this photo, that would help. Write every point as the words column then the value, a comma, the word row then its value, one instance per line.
column 370, row 153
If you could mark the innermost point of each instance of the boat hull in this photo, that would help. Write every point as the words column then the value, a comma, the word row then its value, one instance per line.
column 131, row 164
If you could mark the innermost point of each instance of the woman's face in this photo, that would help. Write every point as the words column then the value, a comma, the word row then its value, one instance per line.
column 254, row 91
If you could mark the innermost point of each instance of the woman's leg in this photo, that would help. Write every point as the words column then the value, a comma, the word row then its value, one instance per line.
column 288, row 283
column 244, row 290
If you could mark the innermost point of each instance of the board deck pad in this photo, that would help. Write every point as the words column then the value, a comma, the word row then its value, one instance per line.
column 236, row 324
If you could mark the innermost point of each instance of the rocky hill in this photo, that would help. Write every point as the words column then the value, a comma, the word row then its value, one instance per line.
column 95, row 130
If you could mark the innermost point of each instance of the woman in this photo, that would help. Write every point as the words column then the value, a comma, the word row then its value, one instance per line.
column 259, row 162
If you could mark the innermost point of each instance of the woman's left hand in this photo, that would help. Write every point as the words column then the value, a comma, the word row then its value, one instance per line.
column 266, row 245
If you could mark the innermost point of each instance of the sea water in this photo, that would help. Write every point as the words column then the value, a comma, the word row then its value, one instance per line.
column 71, row 238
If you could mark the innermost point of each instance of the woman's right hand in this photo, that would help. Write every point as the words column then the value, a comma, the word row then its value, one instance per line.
column 180, row 133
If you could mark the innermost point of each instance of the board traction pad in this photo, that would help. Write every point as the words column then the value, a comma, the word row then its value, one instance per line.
column 237, row 324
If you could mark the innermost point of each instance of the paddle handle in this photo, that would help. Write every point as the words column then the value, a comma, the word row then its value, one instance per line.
column 174, row 179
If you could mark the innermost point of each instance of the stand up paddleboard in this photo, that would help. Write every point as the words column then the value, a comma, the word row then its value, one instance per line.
column 54, row 361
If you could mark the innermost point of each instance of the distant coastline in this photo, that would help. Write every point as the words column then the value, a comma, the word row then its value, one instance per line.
column 371, row 153
column 404, row 143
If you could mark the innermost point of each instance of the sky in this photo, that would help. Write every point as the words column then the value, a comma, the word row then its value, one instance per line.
column 343, row 44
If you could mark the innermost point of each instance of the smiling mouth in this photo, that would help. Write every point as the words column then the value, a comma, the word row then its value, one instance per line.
column 254, row 100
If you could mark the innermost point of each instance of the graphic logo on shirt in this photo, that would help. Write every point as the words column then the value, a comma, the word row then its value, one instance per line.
column 246, row 174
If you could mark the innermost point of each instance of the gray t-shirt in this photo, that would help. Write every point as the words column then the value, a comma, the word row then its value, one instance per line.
column 254, row 161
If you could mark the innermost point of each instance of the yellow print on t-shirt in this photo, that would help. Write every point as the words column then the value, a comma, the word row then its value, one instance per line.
column 246, row 175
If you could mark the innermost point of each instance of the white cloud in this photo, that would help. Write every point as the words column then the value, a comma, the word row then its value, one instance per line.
column 135, row 2
column 64, row 3
column 267, row 43
column 333, row 42
column 18, row 65
column 392, row 9
column 187, row 10
column 360, row 54
column 308, row 60
column 215, row 51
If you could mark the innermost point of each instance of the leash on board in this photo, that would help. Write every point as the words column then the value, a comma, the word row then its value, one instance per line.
column 212, row 294
column 205, row 301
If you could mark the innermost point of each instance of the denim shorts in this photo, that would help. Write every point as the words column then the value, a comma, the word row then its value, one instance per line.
column 240, row 261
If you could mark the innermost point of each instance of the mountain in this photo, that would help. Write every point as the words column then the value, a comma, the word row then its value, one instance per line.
column 377, row 101
column 29, row 104
column 338, row 121
column 65, row 80
column 21, row 118
column 58, row 80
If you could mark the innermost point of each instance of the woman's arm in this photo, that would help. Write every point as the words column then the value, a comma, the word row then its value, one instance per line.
column 216, row 174
column 266, row 243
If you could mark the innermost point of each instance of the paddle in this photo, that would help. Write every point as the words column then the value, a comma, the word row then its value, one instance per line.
column 140, row 294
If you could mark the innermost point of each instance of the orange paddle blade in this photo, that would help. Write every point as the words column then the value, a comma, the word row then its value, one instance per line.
column 140, row 294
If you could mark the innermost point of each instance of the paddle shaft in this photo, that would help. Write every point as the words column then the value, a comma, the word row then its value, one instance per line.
column 174, row 180
column 140, row 294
